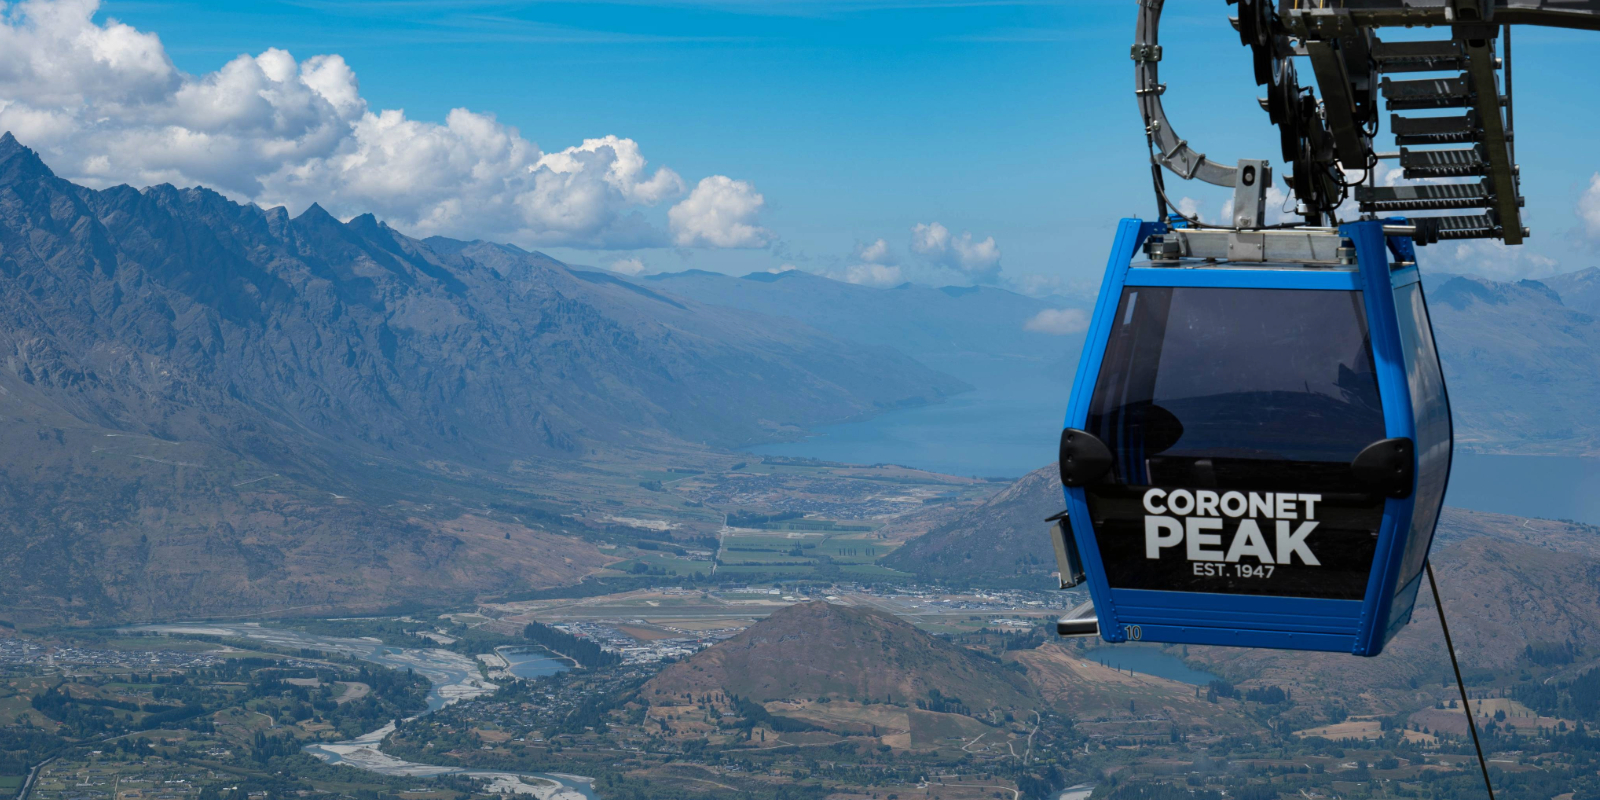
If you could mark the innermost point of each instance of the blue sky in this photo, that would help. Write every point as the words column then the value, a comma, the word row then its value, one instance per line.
column 856, row 121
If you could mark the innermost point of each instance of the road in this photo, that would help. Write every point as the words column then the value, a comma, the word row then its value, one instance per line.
column 27, row 785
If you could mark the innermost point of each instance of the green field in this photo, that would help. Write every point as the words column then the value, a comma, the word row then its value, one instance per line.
column 666, row 564
column 805, row 553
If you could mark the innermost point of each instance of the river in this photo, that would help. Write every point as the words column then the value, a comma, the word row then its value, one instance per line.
column 452, row 678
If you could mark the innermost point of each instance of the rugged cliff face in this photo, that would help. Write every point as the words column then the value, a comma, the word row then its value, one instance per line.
column 163, row 349
column 181, row 314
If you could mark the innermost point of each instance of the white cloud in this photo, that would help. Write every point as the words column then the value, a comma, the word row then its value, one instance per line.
column 1490, row 258
column 624, row 172
column 720, row 212
column 1589, row 207
column 1058, row 321
column 779, row 270
column 628, row 266
column 104, row 104
column 874, row 275
column 878, row 252
column 978, row 260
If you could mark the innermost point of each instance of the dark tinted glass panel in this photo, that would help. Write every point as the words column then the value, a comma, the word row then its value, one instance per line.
column 1431, row 410
column 1244, row 407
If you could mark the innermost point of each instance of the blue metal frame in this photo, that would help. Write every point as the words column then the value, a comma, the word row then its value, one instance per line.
column 1358, row 627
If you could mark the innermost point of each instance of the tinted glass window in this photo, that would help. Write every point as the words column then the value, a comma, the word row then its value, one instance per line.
column 1234, row 415
column 1256, row 374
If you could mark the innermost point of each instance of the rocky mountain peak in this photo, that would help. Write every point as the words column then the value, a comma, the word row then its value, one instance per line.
column 19, row 163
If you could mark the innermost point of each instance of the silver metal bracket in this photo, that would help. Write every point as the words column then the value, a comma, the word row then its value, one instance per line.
column 1145, row 52
column 1289, row 245
column 1172, row 151
column 1247, row 246
column 1160, row 247
column 1251, row 181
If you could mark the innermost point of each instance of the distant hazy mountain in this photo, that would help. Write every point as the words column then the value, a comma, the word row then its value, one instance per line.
column 1522, row 365
column 163, row 348
column 1522, row 359
column 180, row 313
column 1580, row 291
column 926, row 322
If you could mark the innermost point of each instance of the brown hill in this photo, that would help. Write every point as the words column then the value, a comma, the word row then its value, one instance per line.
column 1001, row 540
column 820, row 650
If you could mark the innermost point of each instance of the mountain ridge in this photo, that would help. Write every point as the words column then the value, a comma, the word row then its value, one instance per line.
column 913, row 318
column 218, row 408
column 421, row 332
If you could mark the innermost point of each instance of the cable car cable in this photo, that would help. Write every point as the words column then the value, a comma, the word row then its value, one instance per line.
column 1472, row 724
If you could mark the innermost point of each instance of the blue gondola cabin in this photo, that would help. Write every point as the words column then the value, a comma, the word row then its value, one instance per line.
column 1258, row 439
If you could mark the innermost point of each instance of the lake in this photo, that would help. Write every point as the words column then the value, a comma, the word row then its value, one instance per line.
column 1006, row 427
column 529, row 663
column 1011, row 423
column 1149, row 661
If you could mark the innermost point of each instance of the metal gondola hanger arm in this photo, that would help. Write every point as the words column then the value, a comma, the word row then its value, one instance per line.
column 1172, row 151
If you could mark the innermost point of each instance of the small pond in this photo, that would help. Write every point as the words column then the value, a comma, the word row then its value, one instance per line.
column 1148, row 660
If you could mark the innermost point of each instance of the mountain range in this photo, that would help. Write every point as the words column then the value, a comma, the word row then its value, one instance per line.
column 1521, row 360
column 181, row 314
column 191, row 387
column 934, row 325
column 211, row 407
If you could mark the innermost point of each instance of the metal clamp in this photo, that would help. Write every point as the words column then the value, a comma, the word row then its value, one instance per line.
column 1145, row 52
